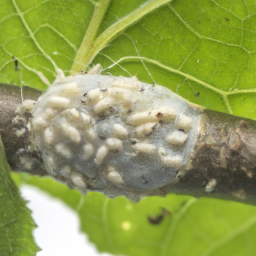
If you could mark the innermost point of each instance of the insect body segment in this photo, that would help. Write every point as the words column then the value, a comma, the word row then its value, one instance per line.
column 104, row 133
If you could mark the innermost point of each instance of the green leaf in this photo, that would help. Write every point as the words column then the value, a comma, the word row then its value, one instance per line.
column 202, row 49
column 195, row 227
column 16, row 224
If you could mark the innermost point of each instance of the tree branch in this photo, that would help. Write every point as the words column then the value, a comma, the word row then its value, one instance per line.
column 221, row 163
column 15, row 134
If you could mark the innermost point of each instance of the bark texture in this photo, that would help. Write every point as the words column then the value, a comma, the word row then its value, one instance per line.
column 223, row 163
column 11, row 124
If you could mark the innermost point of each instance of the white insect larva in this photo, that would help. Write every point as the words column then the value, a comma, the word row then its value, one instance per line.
column 124, row 82
column 17, row 119
column 63, row 150
column 210, row 187
column 48, row 114
column 126, row 125
column 119, row 132
column 184, row 123
column 40, row 123
column 49, row 136
column 144, row 130
column 101, row 155
column 20, row 132
column 115, row 177
column 72, row 133
column 71, row 90
column 26, row 162
column 164, row 114
column 156, row 115
column 86, row 120
column 65, row 171
column 113, row 143
column 140, row 118
column 145, row 148
column 88, row 151
column 172, row 161
column 93, row 96
column 104, row 105
column 95, row 70
column 26, row 107
column 78, row 181
column 161, row 152
column 51, row 164
column 73, row 117
column 74, row 114
column 120, row 94
column 90, row 134
column 58, row 102
column 177, row 138
column 28, row 126
column 60, row 77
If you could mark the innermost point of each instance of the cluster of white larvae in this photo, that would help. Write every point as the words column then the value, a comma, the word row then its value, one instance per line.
column 113, row 134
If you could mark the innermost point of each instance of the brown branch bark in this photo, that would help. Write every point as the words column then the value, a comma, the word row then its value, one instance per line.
column 222, row 164
column 10, row 125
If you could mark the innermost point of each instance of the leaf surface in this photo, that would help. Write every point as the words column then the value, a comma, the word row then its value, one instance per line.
column 196, row 227
column 16, row 224
column 203, row 50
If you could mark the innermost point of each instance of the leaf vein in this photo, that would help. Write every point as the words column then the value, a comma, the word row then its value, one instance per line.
column 31, row 33
column 230, row 236
column 170, row 231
